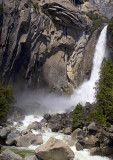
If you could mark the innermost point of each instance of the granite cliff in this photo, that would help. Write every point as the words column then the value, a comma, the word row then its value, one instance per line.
column 46, row 43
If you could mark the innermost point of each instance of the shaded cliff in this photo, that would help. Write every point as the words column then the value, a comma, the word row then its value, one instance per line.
column 42, row 43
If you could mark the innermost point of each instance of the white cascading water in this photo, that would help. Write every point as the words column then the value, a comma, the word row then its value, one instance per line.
column 85, row 92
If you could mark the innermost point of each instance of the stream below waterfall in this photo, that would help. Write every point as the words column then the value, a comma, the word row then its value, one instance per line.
column 84, row 93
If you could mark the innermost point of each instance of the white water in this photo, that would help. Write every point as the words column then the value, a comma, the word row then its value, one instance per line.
column 85, row 92
column 46, row 134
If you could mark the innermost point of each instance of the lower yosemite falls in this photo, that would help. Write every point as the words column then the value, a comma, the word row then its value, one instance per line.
column 85, row 93
column 56, row 80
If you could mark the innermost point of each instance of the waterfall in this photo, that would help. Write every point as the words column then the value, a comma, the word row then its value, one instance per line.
column 85, row 92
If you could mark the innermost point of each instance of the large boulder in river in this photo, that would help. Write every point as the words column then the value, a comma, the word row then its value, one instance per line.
column 9, row 155
column 12, row 137
column 29, row 139
column 35, row 126
column 54, row 149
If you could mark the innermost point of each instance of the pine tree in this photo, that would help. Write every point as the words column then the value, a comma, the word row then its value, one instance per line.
column 102, row 111
column 6, row 98
column 78, row 117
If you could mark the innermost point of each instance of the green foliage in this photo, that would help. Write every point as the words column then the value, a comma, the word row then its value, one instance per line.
column 22, row 152
column 6, row 98
column 97, row 20
column 45, row 11
column 35, row 5
column 111, row 25
column 1, row 6
column 102, row 112
column 68, row 90
column 78, row 117
column 1, row 9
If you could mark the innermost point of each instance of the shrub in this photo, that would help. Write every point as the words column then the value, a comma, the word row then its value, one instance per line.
column 97, row 20
column 6, row 98
column 111, row 25
column 35, row 5
column 45, row 11
column 78, row 117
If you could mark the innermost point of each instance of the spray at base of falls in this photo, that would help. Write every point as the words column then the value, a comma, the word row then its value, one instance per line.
column 85, row 93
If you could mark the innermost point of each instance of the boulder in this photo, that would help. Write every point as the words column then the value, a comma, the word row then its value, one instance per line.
column 59, row 122
column 54, row 149
column 92, row 127
column 35, row 126
column 68, row 130
column 12, row 137
column 91, row 141
column 79, row 146
column 47, row 116
column 29, row 139
column 31, row 157
column 4, row 132
column 9, row 155
column 106, row 151
column 95, row 151
column 78, row 135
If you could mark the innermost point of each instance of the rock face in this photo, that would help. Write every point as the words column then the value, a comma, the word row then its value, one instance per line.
column 84, row 70
column 37, row 38
column 54, row 149
column 105, row 7
column 9, row 155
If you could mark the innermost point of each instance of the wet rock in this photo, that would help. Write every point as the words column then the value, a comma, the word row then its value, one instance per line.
column 107, row 151
column 54, row 149
column 26, row 131
column 35, row 126
column 9, row 155
column 78, row 136
column 29, row 139
column 12, row 137
column 95, row 151
column 31, row 157
column 79, row 146
column 4, row 132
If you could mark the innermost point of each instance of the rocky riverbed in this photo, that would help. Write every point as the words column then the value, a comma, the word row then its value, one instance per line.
column 50, row 136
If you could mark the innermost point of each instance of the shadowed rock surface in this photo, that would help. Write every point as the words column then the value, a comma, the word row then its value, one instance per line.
column 42, row 43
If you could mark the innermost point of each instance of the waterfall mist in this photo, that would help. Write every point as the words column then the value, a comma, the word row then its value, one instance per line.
column 42, row 102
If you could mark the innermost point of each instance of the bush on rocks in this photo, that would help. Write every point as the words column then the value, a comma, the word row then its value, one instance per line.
column 6, row 98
